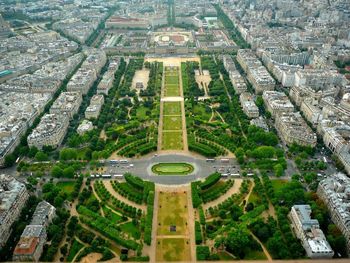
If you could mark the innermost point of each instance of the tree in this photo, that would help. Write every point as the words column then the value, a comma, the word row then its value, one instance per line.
column 278, row 170
column 56, row 171
column 236, row 242
column 239, row 153
column 68, row 154
column 41, row 156
column 10, row 160
column 68, row 172
column 32, row 151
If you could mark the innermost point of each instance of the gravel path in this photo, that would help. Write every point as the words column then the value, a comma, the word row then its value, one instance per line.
column 109, row 187
column 233, row 190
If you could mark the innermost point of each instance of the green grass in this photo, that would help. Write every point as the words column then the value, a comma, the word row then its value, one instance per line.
column 66, row 187
column 172, row 108
column 171, row 90
column 172, row 140
column 131, row 230
column 254, row 255
column 199, row 110
column 223, row 255
column 172, row 168
column 173, row 249
column 172, row 123
column 253, row 198
column 172, row 79
column 277, row 184
column 112, row 215
column 76, row 246
column 172, row 211
column 141, row 113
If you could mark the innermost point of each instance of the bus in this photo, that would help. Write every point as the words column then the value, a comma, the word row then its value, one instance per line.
column 225, row 160
column 210, row 160
column 113, row 162
column 123, row 161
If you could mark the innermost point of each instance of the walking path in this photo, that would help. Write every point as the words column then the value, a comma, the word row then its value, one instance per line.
column 233, row 190
column 109, row 187
column 266, row 252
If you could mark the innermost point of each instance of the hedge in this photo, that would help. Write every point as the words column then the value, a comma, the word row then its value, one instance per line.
column 202, row 252
column 198, row 233
column 149, row 218
column 210, row 181
column 196, row 200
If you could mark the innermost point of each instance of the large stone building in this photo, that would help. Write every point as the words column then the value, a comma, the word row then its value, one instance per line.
column 50, row 131
column 31, row 244
column 309, row 232
column 13, row 196
column 248, row 105
column 67, row 103
column 93, row 111
column 277, row 102
column 335, row 192
column 293, row 129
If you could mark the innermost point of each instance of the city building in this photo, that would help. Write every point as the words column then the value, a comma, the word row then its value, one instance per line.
column 94, row 109
column 13, row 197
column 308, row 231
column 335, row 193
column 31, row 244
column 50, row 131
column 248, row 105
column 84, row 127
column 67, row 103
column 260, row 122
column 293, row 129
column 277, row 102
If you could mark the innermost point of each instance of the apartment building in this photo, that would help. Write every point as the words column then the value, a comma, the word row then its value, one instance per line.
column 277, row 102
column 31, row 244
column 308, row 231
column 293, row 129
column 260, row 79
column 50, row 131
column 336, row 136
column 248, row 105
column 67, row 103
column 106, row 83
column 13, row 197
column 312, row 112
column 94, row 109
column 82, row 80
column 84, row 127
column 335, row 192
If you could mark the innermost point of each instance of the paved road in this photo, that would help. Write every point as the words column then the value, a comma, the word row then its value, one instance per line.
column 142, row 168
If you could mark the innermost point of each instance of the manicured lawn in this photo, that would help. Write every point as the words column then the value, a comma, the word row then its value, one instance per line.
column 67, row 187
column 171, row 78
column 172, row 140
column 171, row 90
column 172, row 108
column 172, row 168
column 173, row 249
column 253, row 198
column 131, row 229
column 172, row 123
column 172, row 212
column 76, row 246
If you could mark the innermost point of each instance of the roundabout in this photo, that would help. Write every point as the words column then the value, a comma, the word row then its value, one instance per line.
column 169, row 169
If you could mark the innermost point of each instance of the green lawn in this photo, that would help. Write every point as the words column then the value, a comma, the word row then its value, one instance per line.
column 76, row 246
column 172, row 168
column 177, row 204
column 277, row 184
column 223, row 255
column 172, row 140
column 172, row 123
column 171, row 90
column 131, row 230
column 172, row 108
column 67, row 187
column 173, row 249
column 171, row 79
